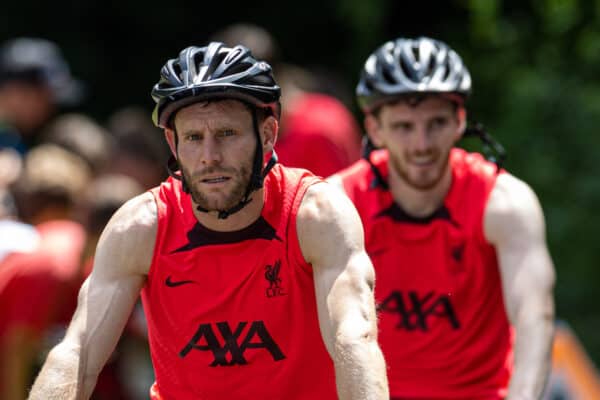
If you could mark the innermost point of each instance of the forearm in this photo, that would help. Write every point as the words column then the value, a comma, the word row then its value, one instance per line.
column 360, row 371
column 532, row 356
column 63, row 376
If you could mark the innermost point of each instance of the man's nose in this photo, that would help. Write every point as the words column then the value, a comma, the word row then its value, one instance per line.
column 211, row 152
column 422, row 142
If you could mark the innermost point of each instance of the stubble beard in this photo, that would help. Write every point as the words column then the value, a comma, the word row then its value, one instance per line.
column 241, row 178
column 420, row 185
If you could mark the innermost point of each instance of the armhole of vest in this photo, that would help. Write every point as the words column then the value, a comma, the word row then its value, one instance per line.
column 294, row 251
column 160, row 231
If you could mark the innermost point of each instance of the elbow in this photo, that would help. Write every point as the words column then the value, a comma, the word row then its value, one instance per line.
column 64, row 350
column 357, row 336
column 534, row 311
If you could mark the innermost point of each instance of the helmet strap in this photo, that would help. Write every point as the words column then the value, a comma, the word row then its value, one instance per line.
column 492, row 149
column 173, row 166
column 378, row 180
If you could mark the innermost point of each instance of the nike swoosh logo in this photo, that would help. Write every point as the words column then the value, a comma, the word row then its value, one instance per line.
column 378, row 252
column 170, row 283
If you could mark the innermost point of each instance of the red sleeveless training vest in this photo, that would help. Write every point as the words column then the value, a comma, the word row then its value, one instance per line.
column 232, row 315
column 442, row 323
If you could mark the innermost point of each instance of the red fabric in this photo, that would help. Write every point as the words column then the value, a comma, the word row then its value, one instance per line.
column 32, row 285
column 38, row 290
column 319, row 134
column 223, row 287
column 442, row 322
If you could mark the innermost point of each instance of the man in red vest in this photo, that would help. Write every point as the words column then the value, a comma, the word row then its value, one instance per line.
column 254, row 277
column 464, row 277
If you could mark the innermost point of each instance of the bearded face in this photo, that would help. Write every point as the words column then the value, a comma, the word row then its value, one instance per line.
column 422, row 170
column 419, row 138
column 218, row 188
column 215, row 152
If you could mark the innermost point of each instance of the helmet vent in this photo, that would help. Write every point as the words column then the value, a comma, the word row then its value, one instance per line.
column 259, row 79
column 177, row 72
column 407, row 71
column 233, row 55
column 214, row 64
column 431, row 68
column 198, row 59
column 415, row 51
column 446, row 72
column 237, row 68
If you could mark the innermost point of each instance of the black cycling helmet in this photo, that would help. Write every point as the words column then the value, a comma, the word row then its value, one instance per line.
column 214, row 72
column 411, row 66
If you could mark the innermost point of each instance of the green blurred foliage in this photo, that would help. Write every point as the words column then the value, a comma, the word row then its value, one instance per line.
column 535, row 67
column 535, row 70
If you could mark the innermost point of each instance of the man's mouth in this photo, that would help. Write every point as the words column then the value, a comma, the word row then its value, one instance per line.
column 423, row 162
column 216, row 179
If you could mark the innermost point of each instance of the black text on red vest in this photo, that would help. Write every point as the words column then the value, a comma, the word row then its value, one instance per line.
column 232, row 351
column 415, row 311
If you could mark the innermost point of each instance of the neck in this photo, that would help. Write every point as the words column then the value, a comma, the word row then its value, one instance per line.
column 236, row 221
column 416, row 202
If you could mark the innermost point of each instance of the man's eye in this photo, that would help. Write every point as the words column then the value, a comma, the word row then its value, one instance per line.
column 439, row 122
column 193, row 137
column 227, row 133
column 402, row 127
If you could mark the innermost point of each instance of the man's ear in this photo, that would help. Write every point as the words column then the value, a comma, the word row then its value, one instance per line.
column 269, row 130
column 372, row 126
column 461, row 115
column 170, row 137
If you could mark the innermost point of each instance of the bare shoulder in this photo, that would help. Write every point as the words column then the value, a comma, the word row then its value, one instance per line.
column 336, row 181
column 512, row 208
column 127, row 242
column 324, row 204
column 327, row 219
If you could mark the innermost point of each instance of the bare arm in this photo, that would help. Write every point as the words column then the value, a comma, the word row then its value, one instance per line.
column 336, row 181
column 105, row 301
column 514, row 224
column 331, row 238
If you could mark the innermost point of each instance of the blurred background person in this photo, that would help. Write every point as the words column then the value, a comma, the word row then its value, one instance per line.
column 7, row 206
column 35, row 286
column 70, row 184
column 34, row 79
column 50, row 275
column 465, row 281
column 317, row 131
column 14, row 235
column 139, row 151
column 51, row 181
column 80, row 134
